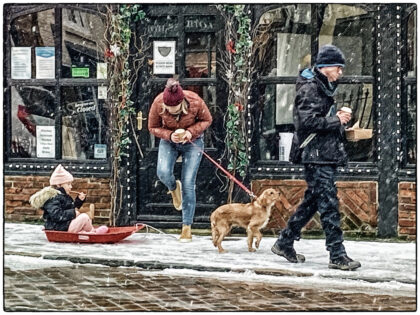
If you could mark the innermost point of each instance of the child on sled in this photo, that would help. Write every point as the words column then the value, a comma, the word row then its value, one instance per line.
column 60, row 210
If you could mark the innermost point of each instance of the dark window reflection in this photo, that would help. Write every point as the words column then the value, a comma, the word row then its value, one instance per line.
column 33, row 30
column 350, row 28
column 411, row 127
column 83, row 44
column 32, row 106
column 84, row 123
column 200, row 55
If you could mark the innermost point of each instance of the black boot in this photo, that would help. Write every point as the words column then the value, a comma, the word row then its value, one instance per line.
column 287, row 252
column 344, row 263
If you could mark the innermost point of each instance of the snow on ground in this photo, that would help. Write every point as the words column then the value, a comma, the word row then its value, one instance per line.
column 386, row 267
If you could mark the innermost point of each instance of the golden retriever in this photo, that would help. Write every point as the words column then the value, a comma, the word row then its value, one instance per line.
column 252, row 216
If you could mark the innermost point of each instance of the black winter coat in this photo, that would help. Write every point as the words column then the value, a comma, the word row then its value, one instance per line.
column 314, row 98
column 59, row 211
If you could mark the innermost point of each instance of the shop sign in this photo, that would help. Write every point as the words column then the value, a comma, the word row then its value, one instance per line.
column 99, row 151
column 79, row 72
column 199, row 23
column 45, row 141
column 21, row 63
column 164, row 57
column 45, row 62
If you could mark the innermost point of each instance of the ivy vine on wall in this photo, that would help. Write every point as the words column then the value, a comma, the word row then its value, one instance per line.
column 241, row 58
column 124, row 56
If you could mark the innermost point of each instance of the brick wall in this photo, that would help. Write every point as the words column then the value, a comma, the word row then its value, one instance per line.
column 18, row 189
column 358, row 203
column 407, row 209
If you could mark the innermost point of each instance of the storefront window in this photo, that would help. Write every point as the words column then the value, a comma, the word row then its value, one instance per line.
column 32, row 109
column 350, row 29
column 83, row 45
column 200, row 55
column 32, row 31
column 84, row 127
column 294, row 30
column 291, row 52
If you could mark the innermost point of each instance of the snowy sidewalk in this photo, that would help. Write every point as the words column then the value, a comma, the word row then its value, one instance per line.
column 387, row 268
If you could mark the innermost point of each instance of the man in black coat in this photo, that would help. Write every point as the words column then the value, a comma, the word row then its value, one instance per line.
column 318, row 144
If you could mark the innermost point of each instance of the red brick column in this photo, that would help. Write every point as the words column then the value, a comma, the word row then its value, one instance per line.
column 407, row 209
column 18, row 189
column 358, row 202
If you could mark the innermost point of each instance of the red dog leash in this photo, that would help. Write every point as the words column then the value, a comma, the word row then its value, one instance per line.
column 229, row 175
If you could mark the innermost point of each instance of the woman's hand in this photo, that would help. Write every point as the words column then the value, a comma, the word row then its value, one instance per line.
column 187, row 137
column 175, row 138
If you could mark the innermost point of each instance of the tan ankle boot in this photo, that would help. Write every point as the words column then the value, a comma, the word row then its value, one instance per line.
column 185, row 234
column 177, row 196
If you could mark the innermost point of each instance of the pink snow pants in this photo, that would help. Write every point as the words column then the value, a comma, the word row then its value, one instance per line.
column 82, row 223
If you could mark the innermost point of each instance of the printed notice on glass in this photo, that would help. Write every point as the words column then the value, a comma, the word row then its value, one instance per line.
column 101, row 70
column 99, row 151
column 102, row 92
column 164, row 57
column 21, row 63
column 45, row 62
column 45, row 141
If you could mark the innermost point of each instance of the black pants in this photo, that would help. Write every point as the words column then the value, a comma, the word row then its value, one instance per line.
column 321, row 195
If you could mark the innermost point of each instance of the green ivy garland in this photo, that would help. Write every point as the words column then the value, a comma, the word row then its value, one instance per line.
column 122, row 74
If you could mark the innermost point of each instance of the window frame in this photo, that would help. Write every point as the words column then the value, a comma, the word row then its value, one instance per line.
column 286, row 169
column 14, row 165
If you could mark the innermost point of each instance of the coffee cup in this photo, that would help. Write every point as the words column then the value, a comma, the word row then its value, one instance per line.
column 180, row 133
column 346, row 109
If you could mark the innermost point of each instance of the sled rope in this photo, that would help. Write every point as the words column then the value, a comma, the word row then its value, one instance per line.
column 160, row 232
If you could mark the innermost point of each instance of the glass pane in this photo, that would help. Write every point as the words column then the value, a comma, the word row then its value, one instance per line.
column 83, row 44
column 33, row 30
column 276, row 121
column 291, row 52
column 349, row 28
column 32, row 106
column 412, row 44
column 359, row 98
column 84, row 123
column 200, row 55
column 411, row 129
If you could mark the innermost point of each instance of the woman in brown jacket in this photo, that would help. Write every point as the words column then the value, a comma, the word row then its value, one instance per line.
column 179, row 119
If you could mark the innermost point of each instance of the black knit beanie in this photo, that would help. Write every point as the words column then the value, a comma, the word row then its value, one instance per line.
column 330, row 56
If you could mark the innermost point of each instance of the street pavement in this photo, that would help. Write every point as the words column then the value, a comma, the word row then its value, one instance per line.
column 154, row 272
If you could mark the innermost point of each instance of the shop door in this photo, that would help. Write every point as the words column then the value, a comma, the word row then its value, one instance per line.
column 195, row 64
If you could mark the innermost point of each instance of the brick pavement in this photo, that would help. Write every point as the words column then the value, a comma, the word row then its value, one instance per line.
column 99, row 288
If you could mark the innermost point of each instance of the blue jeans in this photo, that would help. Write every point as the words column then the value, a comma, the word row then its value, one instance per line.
column 321, row 196
column 191, row 158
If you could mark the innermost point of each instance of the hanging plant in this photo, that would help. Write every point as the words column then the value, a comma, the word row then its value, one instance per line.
column 123, row 67
column 245, row 48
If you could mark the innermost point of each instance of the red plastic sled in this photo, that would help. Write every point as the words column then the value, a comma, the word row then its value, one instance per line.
column 114, row 234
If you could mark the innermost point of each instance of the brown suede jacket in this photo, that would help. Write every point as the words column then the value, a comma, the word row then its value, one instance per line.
column 196, row 121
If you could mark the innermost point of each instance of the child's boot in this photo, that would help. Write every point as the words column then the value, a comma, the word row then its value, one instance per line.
column 91, row 212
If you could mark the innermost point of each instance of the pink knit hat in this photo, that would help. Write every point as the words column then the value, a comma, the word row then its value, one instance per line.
column 60, row 176
column 173, row 93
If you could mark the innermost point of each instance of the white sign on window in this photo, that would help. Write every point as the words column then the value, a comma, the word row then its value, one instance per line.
column 45, row 62
column 101, row 70
column 45, row 141
column 164, row 57
column 285, row 144
column 102, row 92
column 99, row 151
column 21, row 62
